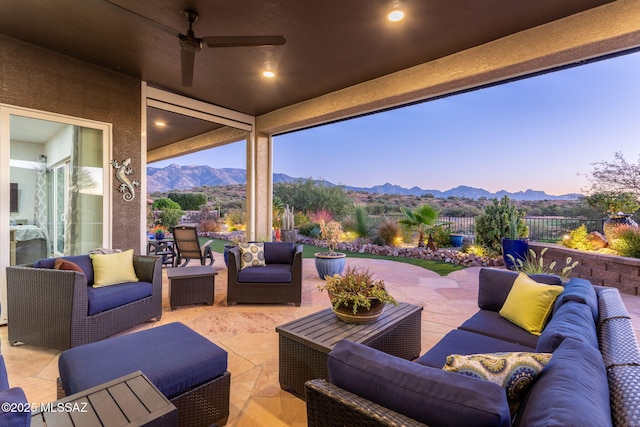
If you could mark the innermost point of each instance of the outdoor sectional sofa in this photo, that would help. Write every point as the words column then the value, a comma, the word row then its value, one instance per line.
column 591, row 379
column 60, row 309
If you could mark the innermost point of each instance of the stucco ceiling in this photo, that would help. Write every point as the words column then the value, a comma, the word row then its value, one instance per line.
column 330, row 44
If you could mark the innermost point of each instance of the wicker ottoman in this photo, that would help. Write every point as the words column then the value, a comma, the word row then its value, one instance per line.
column 187, row 368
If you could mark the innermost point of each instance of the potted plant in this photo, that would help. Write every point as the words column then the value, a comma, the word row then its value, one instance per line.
column 356, row 297
column 516, row 246
column 330, row 263
column 618, row 205
column 159, row 231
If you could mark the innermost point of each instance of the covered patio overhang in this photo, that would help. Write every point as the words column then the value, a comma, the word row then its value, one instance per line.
column 607, row 30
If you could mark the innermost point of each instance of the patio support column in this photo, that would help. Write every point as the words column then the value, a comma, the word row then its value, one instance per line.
column 259, row 186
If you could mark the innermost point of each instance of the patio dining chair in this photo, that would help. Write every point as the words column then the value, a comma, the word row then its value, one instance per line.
column 188, row 246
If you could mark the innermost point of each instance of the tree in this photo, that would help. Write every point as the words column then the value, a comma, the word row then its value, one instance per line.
column 189, row 201
column 309, row 196
column 421, row 220
column 615, row 176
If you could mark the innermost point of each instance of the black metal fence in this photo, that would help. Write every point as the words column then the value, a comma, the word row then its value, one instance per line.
column 542, row 229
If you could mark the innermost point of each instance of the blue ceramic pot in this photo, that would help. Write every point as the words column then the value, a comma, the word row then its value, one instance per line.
column 328, row 265
column 518, row 248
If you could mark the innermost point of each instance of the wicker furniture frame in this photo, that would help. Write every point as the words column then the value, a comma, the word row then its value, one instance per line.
column 199, row 406
column 329, row 405
column 187, row 245
column 269, row 293
column 191, row 285
column 305, row 342
column 49, row 307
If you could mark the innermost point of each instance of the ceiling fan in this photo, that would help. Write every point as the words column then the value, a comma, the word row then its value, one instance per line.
column 190, row 44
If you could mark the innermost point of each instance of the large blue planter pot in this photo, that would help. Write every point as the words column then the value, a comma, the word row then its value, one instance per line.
column 518, row 248
column 328, row 265
column 456, row 240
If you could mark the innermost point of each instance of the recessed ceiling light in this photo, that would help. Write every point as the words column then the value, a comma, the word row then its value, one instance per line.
column 159, row 123
column 395, row 15
column 269, row 74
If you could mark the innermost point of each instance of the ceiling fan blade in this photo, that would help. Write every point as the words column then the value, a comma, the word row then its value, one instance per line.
column 187, row 60
column 233, row 41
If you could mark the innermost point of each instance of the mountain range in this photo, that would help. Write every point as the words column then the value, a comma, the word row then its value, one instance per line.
column 176, row 177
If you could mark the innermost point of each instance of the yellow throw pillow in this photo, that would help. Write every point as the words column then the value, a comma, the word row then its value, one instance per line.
column 515, row 372
column 113, row 269
column 529, row 303
column 252, row 255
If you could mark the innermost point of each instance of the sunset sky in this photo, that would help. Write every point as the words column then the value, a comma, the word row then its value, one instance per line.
column 541, row 133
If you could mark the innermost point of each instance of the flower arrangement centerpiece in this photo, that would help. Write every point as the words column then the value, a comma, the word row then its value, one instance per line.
column 330, row 263
column 159, row 231
column 356, row 296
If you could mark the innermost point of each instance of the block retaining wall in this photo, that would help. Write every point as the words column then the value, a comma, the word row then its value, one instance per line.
column 600, row 269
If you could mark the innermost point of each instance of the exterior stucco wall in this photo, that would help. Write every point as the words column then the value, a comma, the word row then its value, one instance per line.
column 36, row 78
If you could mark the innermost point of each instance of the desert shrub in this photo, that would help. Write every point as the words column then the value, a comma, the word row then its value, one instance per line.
column 170, row 217
column 388, row 232
column 165, row 203
column 189, row 201
column 626, row 241
column 310, row 229
column 360, row 224
column 476, row 250
column 321, row 215
column 441, row 237
column 235, row 219
column 300, row 218
column 209, row 225
column 578, row 239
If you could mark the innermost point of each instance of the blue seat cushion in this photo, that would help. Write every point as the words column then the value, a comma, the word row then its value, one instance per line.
column 465, row 343
column 572, row 319
column 108, row 297
column 429, row 395
column 279, row 252
column 83, row 261
column 270, row 273
column 571, row 390
column 174, row 357
column 490, row 323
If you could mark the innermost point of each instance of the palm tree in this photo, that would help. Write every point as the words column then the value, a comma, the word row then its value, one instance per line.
column 420, row 220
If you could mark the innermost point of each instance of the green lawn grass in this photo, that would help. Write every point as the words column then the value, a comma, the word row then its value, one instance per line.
column 442, row 268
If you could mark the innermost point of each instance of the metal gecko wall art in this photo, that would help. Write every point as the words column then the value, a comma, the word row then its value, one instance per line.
column 127, row 186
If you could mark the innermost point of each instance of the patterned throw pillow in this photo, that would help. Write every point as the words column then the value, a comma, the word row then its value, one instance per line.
column 515, row 372
column 252, row 255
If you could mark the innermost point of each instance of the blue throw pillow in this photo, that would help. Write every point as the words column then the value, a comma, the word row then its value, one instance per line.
column 429, row 395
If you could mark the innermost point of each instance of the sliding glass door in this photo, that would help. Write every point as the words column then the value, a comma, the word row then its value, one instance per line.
column 55, row 173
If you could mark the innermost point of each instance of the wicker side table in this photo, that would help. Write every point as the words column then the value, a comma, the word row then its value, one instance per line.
column 191, row 285
column 305, row 342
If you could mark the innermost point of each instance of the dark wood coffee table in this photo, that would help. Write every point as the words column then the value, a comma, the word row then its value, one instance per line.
column 305, row 342
column 191, row 285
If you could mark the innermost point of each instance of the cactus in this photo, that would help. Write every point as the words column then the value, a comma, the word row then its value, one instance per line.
column 287, row 218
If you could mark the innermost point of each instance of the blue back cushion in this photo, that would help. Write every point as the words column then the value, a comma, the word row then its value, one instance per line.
column 572, row 319
column 571, row 390
column 429, row 395
column 579, row 290
column 83, row 261
column 495, row 284
column 279, row 252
